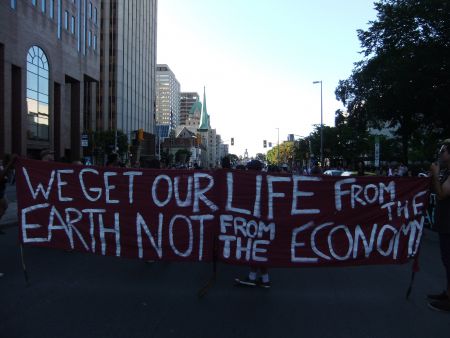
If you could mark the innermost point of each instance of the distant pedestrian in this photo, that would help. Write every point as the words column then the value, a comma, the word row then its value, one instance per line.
column 361, row 169
column 441, row 186
column 316, row 169
column 113, row 160
column 402, row 170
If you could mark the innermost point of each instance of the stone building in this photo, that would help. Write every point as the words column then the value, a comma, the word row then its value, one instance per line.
column 49, row 75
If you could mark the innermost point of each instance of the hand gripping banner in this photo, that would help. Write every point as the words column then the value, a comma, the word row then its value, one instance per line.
column 246, row 217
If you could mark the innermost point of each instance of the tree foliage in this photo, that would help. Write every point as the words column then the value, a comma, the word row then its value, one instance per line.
column 403, row 81
column 284, row 153
column 103, row 141
column 183, row 155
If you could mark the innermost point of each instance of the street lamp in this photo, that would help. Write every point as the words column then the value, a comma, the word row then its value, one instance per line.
column 321, row 122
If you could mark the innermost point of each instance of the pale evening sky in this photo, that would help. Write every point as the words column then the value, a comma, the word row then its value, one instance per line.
column 258, row 59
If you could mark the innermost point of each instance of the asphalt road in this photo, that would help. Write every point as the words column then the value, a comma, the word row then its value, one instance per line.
column 81, row 295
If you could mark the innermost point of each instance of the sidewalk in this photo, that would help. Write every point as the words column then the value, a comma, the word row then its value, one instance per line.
column 10, row 216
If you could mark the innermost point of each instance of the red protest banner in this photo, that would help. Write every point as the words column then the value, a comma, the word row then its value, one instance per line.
column 247, row 217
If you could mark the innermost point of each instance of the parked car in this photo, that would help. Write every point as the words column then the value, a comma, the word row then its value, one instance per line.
column 333, row 172
column 355, row 173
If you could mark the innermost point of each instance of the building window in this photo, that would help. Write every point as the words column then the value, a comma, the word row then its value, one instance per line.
column 59, row 19
column 95, row 15
column 66, row 20
column 72, row 24
column 89, row 38
column 33, row 2
column 37, row 94
column 51, row 9
column 13, row 4
column 90, row 10
column 43, row 6
column 94, row 42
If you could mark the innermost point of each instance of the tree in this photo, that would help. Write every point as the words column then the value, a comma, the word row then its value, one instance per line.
column 260, row 157
column 404, row 79
column 233, row 158
column 103, row 142
column 182, row 155
column 284, row 153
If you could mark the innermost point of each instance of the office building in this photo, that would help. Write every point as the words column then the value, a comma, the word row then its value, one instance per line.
column 49, row 75
column 167, row 97
column 128, row 67
column 187, row 100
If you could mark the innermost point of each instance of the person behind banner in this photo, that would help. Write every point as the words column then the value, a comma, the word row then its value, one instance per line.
column 251, row 280
column 361, row 168
column 441, row 185
column 7, row 165
column 113, row 160
column 47, row 155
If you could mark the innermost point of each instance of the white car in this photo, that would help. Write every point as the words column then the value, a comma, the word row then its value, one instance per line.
column 333, row 172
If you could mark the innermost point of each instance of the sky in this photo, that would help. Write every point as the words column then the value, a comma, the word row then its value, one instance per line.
column 258, row 60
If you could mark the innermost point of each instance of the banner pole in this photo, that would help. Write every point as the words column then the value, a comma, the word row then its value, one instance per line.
column 204, row 290
column 25, row 273
column 415, row 268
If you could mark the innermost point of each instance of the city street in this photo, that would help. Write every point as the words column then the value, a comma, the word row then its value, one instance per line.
column 80, row 295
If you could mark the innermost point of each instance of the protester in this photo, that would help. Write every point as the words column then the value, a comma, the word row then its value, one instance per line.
column 402, row 170
column 361, row 168
column 7, row 165
column 113, row 160
column 251, row 280
column 47, row 155
column 316, row 169
column 226, row 163
column 441, row 186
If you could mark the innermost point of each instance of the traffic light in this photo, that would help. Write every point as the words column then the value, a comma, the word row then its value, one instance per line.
column 265, row 144
column 232, row 141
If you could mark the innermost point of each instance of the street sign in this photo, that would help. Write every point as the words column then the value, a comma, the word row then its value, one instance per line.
column 84, row 141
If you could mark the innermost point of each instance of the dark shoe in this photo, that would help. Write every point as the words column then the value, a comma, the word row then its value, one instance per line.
column 266, row 285
column 440, row 305
column 246, row 281
column 438, row 296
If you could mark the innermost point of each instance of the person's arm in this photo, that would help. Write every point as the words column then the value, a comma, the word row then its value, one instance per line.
column 442, row 190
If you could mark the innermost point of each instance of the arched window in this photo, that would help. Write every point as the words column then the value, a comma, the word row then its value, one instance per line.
column 37, row 94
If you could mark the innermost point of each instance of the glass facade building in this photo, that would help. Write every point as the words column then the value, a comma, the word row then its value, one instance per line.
column 128, row 59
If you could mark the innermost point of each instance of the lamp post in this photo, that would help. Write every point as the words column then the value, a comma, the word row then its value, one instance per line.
column 321, row 122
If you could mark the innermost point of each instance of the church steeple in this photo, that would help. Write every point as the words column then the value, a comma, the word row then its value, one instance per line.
column 204, row 120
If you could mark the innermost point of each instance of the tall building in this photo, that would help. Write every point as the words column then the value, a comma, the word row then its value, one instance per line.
column 49, row 73
column 167, row 97
column 128, row 65
column 187, row 100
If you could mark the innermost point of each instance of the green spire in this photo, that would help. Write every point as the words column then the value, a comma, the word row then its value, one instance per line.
column 204, row 120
